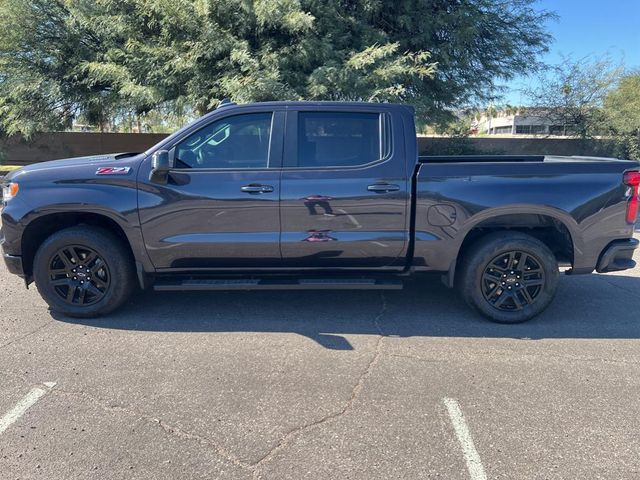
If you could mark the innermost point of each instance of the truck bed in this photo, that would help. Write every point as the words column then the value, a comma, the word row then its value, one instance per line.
column 582, row 197
column 517, row 159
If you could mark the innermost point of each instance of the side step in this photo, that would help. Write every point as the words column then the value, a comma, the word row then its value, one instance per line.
column 278, row 284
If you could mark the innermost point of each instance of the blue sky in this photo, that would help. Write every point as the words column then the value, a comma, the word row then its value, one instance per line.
column 588, row 27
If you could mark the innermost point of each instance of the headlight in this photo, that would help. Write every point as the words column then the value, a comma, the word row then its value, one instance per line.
column 9, row 191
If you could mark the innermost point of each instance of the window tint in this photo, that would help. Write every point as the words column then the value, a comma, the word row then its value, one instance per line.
column 241, row 141
column 338, row 139
column 531, row 129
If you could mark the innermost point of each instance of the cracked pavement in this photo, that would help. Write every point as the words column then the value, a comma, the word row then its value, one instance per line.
column 323, row 385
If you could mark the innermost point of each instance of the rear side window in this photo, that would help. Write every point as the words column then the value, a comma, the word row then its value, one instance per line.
column 339, row 139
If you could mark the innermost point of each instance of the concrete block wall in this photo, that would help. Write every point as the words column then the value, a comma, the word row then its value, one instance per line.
column 51, row 146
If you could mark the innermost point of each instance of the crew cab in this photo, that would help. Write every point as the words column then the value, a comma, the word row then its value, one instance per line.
column 301, row 195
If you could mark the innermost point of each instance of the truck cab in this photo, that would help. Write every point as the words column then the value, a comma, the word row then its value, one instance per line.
column 293, row 185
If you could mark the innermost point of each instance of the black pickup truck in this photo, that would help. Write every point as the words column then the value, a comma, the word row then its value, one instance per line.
column 297, row 195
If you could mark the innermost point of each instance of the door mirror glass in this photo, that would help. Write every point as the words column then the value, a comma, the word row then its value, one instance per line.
column 160, row 162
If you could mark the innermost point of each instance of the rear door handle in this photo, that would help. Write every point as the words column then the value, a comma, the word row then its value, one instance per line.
column 254, row 188
column 383, row 187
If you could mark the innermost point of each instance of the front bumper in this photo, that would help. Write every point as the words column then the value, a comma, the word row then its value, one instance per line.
column 618, row 256
column 14, row 264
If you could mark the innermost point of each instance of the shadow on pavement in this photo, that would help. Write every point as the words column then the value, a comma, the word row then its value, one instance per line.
column 596, row 306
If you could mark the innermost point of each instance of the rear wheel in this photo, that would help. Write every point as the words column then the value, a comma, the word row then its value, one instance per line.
column 509, row 277
column 84, row 271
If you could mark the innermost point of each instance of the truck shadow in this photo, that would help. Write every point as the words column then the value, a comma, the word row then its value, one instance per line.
column 596, row 306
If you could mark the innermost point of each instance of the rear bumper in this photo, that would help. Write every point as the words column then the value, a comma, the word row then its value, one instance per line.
column 618, row 256
column 14, row 264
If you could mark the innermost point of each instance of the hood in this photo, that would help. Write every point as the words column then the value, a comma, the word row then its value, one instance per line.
column 93, row 161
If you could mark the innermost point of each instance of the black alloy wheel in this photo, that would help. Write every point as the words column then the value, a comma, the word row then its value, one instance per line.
column 84, row 271
column 509, row 277
column 512, row 280
column 79, row 275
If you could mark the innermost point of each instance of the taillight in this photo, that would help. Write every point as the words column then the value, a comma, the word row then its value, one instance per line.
column 632, row 179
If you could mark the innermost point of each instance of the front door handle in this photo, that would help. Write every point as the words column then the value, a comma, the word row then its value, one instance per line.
column 254, row 188
column 383, row 187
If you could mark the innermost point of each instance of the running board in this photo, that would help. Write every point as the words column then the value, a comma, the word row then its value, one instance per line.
column 278, row 284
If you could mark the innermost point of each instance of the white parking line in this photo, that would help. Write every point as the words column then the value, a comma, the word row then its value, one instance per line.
column 351, row 217
column 474, row 464
column 23, row 405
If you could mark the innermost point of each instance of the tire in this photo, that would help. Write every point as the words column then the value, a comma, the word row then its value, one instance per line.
column 520, row 291
column 88, row 261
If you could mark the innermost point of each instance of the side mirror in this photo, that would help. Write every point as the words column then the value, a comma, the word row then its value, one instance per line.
column 161, row 163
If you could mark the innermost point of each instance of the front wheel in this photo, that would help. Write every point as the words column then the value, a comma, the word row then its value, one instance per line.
column 509, row 277
column 84, row 271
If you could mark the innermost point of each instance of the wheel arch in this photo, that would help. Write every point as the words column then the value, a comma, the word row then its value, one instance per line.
column 42, row 227
column 556, row 230
column 549, row 230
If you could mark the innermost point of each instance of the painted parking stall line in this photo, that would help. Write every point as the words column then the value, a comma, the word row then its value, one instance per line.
column 471, row 456
column 29, row 400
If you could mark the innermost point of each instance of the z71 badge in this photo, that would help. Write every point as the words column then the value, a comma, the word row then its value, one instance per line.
column 113, row 170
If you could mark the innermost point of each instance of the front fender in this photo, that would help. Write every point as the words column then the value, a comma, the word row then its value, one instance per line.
column 112, row 199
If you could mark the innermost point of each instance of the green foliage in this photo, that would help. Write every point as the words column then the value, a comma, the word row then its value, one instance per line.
column 459, row 127
column 592, row 97
column 572, row 94
column 622, row 113
column 105, row 60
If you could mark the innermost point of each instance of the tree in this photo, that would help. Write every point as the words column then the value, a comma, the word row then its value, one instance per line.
column 571, row 95
column 103, row 58
column 622, row 114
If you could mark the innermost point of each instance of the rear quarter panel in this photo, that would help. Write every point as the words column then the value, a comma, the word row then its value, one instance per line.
column 587, row 197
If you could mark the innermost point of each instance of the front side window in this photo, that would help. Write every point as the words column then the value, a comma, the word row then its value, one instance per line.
column 338, row 139
column 237, row 142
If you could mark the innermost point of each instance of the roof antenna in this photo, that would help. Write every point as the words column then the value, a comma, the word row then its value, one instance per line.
column 226, row 102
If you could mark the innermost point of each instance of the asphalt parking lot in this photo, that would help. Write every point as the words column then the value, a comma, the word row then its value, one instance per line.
column 326, row 385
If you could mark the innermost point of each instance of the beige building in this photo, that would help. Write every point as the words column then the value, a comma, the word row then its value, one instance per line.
column 527, row 122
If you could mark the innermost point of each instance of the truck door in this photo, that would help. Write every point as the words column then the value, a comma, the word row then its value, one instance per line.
column 344, row 189
column 219, row 207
